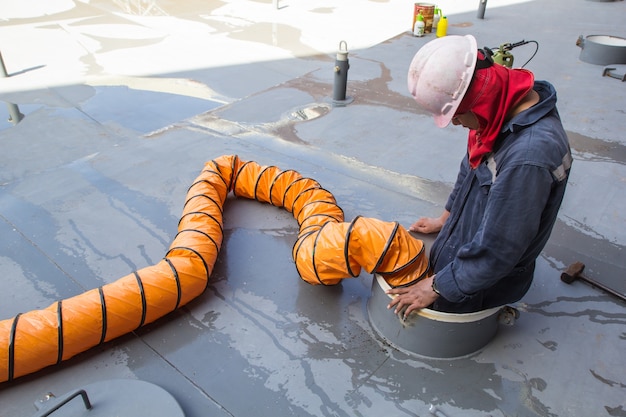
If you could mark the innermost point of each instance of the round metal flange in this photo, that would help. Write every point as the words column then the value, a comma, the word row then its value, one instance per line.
column 342, row 103
column 429, row 333
column 602, row 49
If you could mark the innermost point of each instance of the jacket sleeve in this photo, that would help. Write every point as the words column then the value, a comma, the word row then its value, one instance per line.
column 511, row 221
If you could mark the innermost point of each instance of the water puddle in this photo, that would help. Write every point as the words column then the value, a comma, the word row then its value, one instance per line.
column 310, row 112
column 286, row 128
column 593, row 149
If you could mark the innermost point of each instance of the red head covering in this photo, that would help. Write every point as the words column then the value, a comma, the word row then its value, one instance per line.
column 493, row 92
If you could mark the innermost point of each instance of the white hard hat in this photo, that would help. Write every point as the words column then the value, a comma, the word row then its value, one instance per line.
column 440, row 74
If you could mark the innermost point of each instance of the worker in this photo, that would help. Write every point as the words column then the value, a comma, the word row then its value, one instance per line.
column 511, row 182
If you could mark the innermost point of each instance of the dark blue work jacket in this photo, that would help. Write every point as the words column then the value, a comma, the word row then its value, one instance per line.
column 502, row 212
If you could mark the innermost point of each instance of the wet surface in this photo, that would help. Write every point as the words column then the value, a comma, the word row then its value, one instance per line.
column 120, row 117
column 598, row 150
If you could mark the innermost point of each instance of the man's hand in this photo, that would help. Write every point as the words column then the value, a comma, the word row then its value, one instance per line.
column 429, row 224
column 413, row 297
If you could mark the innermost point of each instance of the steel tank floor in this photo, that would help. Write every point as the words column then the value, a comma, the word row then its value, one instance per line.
column 124, row 101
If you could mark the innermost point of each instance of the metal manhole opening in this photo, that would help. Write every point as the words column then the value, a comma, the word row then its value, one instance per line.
column 602, row 49
column 431, row 333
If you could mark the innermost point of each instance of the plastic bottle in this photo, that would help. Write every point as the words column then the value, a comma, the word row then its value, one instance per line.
column 418, row 27
column 442, row 27
column 436, row 18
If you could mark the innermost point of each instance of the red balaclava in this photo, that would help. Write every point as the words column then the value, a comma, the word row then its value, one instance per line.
column 493, row 92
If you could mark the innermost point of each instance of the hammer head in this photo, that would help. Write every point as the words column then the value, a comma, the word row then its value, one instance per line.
column 573, row 272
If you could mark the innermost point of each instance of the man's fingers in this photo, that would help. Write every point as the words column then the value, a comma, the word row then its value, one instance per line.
column 398, row 291
column 398, row 302
column 393, row 302
column 400, row 305
column 408, row 311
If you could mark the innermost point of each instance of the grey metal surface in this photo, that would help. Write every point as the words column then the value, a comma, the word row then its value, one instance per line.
column 124, row 101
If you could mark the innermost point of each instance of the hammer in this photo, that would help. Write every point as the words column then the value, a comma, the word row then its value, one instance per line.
column 575, row 272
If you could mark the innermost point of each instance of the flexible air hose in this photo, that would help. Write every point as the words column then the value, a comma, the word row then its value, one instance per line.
column 326, row 251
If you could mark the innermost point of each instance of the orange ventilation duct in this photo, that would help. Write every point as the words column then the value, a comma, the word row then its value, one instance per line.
column 326, row 251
